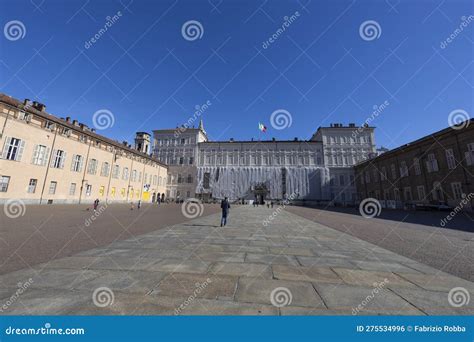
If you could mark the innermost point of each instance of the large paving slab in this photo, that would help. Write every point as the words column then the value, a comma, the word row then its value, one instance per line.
column 293, row 266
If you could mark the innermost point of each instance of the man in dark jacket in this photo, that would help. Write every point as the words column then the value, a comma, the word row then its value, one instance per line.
column 225, row 206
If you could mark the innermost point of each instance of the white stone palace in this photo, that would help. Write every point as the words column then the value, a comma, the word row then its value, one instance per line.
column 318, row 170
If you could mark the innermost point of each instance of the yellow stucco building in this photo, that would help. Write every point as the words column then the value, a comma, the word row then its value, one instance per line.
column 45, row 159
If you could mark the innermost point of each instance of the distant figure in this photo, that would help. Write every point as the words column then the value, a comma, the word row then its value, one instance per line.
column 268, row 205
column 163, row 197
column 132, row 206
column 96, row 204
column 139, row 204
column 271, row 203
column 225, row 206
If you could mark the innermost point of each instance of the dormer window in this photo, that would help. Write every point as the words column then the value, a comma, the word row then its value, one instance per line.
column 49, row 125
column 66, row 132
column 24, row 116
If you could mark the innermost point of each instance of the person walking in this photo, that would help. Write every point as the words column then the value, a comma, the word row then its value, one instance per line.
column 139, row 204
column 225, row 206
column 96, row 204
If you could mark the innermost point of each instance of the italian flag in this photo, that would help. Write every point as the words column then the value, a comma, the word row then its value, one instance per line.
column 262, row 127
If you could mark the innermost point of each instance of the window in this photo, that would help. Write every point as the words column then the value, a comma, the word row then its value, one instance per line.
column 40, row 155
column 116, row 172
column 32, row 186
column 24, row 116
column 393, row 171
column 181, row 160
column 76, row 165
column 190, row 179
column 134, row 175
column 59, row 156
column 92, row 167
column 416, row 166
column 102, row 190
column 104, row 172
column 431, row 163
column 407, row 194
column 450, row 159
column 66, row 132
column 376, row 175
column 13, row 149
column 191, row 160
column 180, row 180
column 457, row 190
column 49, row 125
column 72, row 189
column 470, row 154
column 52, row 187
column 421, row 192
column 125, row 173
column 88, row 189
column 4, row 181
column 403, row 169
column 383, row 175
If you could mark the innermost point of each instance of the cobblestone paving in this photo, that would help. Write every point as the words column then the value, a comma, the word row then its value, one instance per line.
column 292, row 266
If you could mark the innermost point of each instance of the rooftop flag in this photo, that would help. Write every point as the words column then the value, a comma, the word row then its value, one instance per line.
column 262, row 127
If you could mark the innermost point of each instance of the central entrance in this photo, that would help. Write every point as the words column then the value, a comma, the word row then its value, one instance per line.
column 260, row 192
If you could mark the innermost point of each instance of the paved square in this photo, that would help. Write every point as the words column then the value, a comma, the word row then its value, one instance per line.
column 292, row 266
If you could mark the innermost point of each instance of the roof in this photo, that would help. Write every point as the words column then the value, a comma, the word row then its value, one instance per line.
column 8, row 100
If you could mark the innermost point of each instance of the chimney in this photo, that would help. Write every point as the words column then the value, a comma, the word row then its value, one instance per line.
column 41, row 107
column 68, row 119
column 75, row 123
column 296, row 139
column 26, row 102
column 352, row 124
column 273, row 139
column 231, row 139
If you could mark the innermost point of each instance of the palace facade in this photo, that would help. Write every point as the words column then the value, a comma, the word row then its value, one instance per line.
column 319, row 169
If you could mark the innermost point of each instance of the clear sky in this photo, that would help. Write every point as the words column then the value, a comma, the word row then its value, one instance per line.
column 320, row 68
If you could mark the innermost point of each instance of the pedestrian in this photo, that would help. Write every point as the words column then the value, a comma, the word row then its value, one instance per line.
column 271, row 203
column 139, row 204
column 132, row 206
column 96, row 204
column 225, row 206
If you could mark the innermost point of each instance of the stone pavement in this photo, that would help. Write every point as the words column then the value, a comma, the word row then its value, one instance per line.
column 290, row 266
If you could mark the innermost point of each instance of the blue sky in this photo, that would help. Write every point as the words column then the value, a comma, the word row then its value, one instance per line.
column 320, row 69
